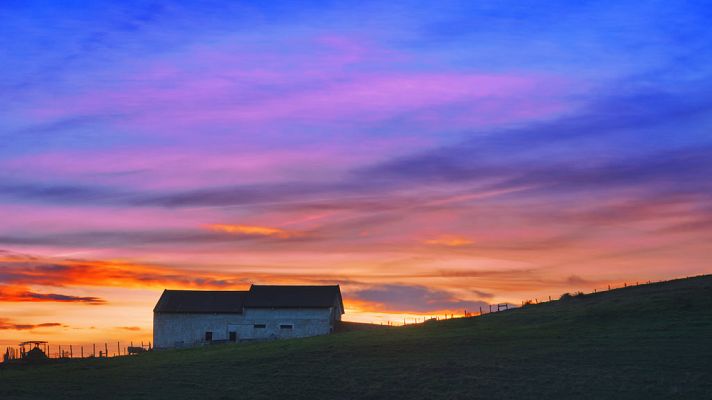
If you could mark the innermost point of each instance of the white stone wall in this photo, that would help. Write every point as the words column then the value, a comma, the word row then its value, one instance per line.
column 179, row 330
column 304, row 322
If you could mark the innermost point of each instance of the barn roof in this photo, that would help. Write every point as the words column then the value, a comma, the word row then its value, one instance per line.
column 259, row 296
column 201, row 301
column 271, row 296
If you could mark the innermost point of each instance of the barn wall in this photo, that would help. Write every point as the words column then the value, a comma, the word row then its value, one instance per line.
column 177, row 330
column 304, row 322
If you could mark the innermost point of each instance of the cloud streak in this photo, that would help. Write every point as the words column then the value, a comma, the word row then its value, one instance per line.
column 16, row 294
column 408, row 298
column 6, row 324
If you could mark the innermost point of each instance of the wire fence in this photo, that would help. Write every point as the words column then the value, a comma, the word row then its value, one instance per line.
column 493, row 308
column 39, row 350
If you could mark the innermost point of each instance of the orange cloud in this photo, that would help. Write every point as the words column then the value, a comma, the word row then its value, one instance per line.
column 6, row 324
column 129, row 328
column 449, row 241
column 21, row 271
column 252, row 230
column 22, row 294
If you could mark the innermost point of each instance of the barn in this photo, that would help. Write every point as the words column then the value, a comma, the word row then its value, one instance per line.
column 185, row 318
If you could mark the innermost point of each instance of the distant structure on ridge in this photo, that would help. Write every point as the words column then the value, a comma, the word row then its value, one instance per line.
column 185, row 318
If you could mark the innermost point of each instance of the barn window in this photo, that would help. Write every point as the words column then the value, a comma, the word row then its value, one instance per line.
column 286, row 326
column 208, row 336
column 233, row 336
column 260, row 326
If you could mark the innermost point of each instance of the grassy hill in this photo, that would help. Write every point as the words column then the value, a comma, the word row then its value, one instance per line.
column 649, row 342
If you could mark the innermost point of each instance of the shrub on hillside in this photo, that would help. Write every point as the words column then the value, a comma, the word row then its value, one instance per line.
column 566, row 296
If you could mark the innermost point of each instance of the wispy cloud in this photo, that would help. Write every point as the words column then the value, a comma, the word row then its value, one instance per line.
column 9, row 293
column 449, row 241
column 22, row 270
column 6, row 324
column 129, row 328
column 410, row 298
column 252, row 230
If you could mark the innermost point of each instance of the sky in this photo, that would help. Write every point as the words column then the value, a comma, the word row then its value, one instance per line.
column 429, row 157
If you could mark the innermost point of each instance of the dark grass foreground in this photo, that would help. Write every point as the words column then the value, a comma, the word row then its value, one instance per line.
column 644, row 342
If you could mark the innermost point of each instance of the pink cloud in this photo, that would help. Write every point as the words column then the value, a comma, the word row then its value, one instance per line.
column 334, row 82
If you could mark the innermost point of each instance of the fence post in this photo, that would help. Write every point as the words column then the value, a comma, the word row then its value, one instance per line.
column 93, row 353
column 82, row 351
column 71, row 352
column 106, row 349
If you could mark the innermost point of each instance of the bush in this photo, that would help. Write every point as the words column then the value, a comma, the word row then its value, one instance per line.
column 566, row 296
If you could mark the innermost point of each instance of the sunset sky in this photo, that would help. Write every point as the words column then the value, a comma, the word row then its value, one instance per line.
column 430, row 156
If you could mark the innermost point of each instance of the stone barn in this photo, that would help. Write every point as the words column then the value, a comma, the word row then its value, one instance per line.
column 192, row 317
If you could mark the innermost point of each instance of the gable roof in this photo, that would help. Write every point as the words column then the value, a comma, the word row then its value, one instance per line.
column 201, row 301
column 259, row 296
column 271, row 296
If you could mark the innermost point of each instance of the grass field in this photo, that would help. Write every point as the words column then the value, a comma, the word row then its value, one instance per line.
column 648, row 342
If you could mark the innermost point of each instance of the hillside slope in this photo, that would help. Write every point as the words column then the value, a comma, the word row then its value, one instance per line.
column 652, row 341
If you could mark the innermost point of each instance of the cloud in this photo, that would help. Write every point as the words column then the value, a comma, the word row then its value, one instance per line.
column 6, row 324
column 252, row 230
column 18, row 271
column 214, row 234
column 129, row 328
column 10, row 293
column 545, row 156
column 449, row 241
column 57, row 193
column 414, row 298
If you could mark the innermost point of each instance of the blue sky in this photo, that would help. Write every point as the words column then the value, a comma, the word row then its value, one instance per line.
column 438, row 154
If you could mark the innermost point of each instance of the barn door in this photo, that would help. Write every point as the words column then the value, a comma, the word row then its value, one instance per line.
column 233, row 333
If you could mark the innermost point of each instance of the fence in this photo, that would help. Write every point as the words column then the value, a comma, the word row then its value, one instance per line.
column 509, row 306
column 68, row 351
